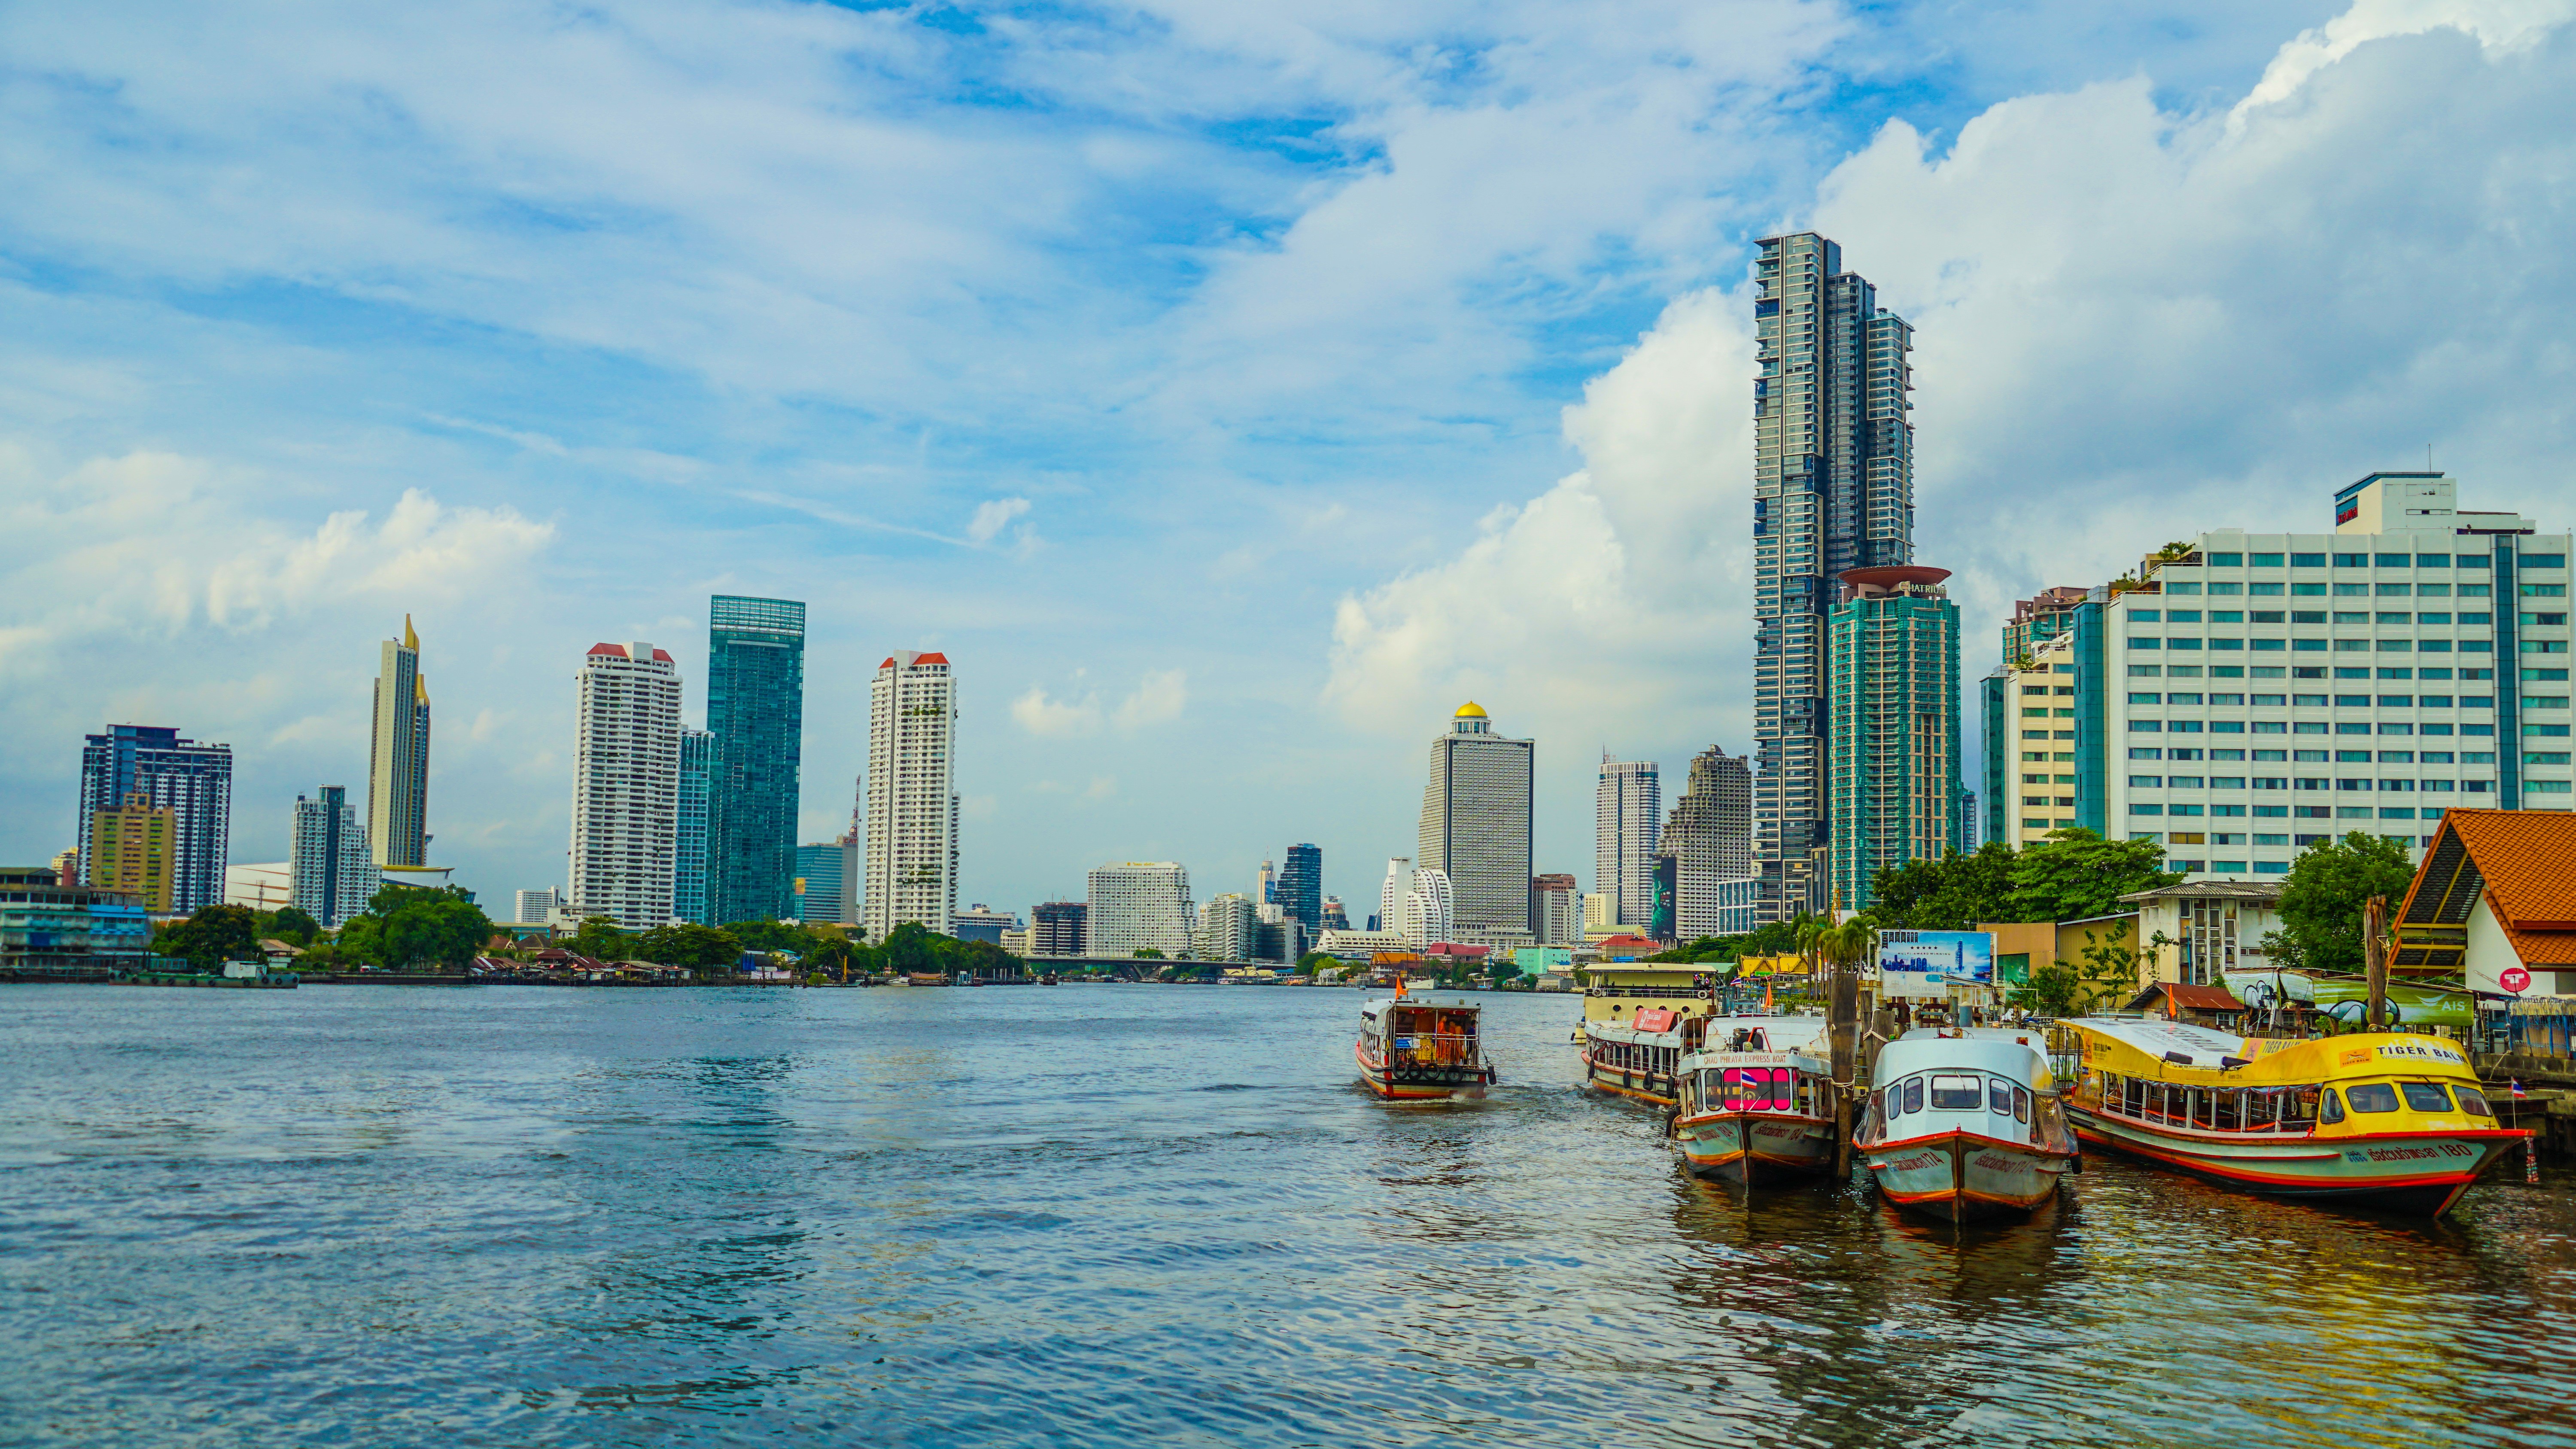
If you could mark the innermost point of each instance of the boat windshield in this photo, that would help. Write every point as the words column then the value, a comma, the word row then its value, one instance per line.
column 1956, row 1093
column 2329, row 1106
column 1999, row 1095
column 2371, row 1097
column 2426, row 1096
column 1914, row 1094
column 2474, row 1102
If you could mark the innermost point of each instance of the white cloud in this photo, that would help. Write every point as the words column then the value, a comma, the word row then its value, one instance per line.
column 1622, row 590
column 2497, row 24
column 1047, row 717
column 1159, row 698
column 992, row 516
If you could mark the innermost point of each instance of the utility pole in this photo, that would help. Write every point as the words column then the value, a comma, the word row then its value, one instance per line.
column 2374, row 956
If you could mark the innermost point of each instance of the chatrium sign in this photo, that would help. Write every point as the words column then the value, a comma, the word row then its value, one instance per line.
column 1929, row 963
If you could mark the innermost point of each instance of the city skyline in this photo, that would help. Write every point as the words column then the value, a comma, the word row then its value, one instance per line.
column 1499, row 471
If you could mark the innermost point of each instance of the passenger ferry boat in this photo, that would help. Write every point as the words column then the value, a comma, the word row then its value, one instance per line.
column 1413, row 1050
column 1965, row 1124
column 2382, row 1120
column 1642, row 1056
column 1757, row 1114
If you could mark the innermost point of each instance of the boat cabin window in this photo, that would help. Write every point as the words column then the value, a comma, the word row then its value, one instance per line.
column 2474, row 1102
column 2021, row 1104
column 1878, row 1105
column 2426, row 1096
column 2371, row 1097
column 2328, row 1108
column 1913, row 1094
column 1999, row 1094
column 1956, row 1094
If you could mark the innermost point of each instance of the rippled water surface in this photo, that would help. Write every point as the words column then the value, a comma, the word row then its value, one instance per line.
column 1134, row 1215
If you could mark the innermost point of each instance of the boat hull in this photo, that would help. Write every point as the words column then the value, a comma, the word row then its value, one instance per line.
column 2416, row 1173
column 1421, row 1083
column 1643, row 1086
column 1755, row 1148
column 1961, row 1177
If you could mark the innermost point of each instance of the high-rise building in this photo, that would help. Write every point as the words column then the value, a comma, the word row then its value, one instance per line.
column 1390, row 895
column 1833, row 489
column 1429, row 913
column 1138, row 905
column 134, row 851
column 67, row 866
column 398, row 755
column 192, row 781
column 1628, row 817
column 756, row 710
column 822, row 881
column 334, row 870
column 1336, row 918
column 1710, row 838
column 2243, row 696
column 1300, row 887
column 912, row 809
column 538, row 907
column 1059, row 928
column 1266, row 887
column 1556, row 910
column 1476, row 828
column 689, row 834
column 980, row 922
column 1228, row 929
column 1895, row 725
column 626, row 785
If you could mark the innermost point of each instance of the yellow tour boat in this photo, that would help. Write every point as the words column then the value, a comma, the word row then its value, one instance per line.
column 2382, row 1120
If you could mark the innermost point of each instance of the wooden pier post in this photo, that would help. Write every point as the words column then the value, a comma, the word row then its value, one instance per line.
column 2374, row 957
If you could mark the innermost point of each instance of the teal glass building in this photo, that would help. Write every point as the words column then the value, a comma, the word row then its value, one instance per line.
column 1892, row 726
column 756, row 711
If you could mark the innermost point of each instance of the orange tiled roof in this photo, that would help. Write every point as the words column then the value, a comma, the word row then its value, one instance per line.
column 2526, row 861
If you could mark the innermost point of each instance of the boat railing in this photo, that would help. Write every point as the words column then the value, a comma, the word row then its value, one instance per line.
column 1441, row 1049
column 1669, row 993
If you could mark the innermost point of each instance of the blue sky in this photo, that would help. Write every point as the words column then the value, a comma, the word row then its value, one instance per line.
column 1230, row 391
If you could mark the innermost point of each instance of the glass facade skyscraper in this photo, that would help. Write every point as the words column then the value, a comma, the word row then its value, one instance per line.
column 1301, row 887
column 1833, row 489
column 756, row 711
column 193, row 781
column 1894, row 726
column 689, row 861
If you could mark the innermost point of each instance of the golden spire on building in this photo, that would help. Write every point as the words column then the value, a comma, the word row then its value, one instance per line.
column 410, row 639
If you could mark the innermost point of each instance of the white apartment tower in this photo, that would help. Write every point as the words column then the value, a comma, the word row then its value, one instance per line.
column 625, row 785
column 1139, row 904
column 1476, row 828
column 1229, row 928
column 911, row 802
column 1430, row 910
column 334, row 873
column 1833, row 489
column 1628, row 819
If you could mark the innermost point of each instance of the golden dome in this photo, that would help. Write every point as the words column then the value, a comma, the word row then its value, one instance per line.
column 1470, row 710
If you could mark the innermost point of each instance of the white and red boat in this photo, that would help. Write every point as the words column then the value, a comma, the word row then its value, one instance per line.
column 1965, row 1124
column 1412, row 1049
column 2393, row 1121
column 1756, row 1105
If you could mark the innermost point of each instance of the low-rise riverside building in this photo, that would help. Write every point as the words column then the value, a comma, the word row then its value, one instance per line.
column 49, row 929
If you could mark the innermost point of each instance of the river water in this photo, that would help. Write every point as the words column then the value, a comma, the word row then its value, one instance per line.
column 1115, row 1215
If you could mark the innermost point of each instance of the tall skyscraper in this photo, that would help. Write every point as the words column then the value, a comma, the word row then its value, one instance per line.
column 1059, row 928
column 1628, row 818
column 192, row 781
column 1390, row 895
column 1476, row 828
column 1429, row 912
column 398, row 755
column 334, row 871
column 1300, row 889
column 1895, row 725
column 1139, row 905
column 690, row 842
column 1833, row 489
column 1710, row 838
column 756, row 710
column 1228, row 929
column 912, row 809
column 133, row 851
column 626, row 785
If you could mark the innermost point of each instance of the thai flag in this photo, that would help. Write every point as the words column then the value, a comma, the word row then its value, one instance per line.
column 2517, row 1088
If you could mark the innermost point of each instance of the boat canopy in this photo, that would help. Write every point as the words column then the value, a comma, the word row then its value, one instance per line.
column 2179, row 1051
column 2017, row 1057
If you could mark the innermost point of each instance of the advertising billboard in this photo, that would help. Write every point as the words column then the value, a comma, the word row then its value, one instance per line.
column 2347, row 998
column 1929, row 963
column 1667, row 880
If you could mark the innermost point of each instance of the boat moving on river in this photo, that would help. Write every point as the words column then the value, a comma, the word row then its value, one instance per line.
column 1752, row 1114
column 1415, row 1050
column 2382, row 1120
column 1965, row 1124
